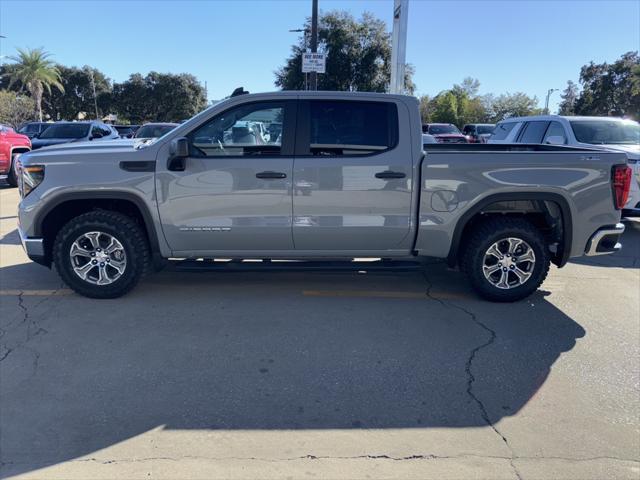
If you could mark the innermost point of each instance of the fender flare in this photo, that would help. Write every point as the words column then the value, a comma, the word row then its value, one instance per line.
column 140, row 204
column 563, row 204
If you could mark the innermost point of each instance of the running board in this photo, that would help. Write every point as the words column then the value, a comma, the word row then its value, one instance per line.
column 296, row 265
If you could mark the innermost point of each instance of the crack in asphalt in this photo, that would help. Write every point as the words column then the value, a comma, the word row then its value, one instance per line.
column 468, row 367
column 346, row 457
column 33, row 330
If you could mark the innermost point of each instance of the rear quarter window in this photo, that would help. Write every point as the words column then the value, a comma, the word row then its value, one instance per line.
column 533, row 132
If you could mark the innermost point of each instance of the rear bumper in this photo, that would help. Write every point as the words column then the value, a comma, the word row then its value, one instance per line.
column 34, row 248
column 605, row 241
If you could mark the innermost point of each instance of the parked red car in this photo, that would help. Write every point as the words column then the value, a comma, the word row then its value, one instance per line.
column 444, row 132
column 11, row 144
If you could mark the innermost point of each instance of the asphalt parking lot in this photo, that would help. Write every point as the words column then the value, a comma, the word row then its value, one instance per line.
column 311, row 375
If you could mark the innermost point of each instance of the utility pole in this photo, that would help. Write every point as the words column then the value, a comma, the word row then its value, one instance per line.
column 546, row 103
column 399, row 45
column 313, row 83
column 304, row 32
column 95, row 98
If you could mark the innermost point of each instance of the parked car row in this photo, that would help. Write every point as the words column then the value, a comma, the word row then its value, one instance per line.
column 449, row 133
column 64, row 132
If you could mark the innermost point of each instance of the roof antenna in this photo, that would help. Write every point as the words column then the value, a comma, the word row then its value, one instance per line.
column 239, row 91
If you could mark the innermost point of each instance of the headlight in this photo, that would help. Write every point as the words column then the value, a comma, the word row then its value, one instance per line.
column 32, row 176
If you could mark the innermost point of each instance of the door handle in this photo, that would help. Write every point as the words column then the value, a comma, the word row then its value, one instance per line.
column 388, row 174
column 271, row 175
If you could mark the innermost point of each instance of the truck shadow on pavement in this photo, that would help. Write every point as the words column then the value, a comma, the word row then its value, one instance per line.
column 265, row 351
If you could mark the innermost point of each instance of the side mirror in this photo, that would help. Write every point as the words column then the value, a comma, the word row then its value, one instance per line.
column 179, row 147
column 555, row 140
column 178, row 152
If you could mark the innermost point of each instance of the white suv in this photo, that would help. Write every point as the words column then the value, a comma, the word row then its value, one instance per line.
column 600, row 132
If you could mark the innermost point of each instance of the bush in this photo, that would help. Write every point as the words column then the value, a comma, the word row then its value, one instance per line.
column 15, row 109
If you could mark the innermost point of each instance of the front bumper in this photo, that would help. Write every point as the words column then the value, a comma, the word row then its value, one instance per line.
column 605, row 241
column 34, row 247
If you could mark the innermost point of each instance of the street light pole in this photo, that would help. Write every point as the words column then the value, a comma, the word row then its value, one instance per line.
column 313, row 84
column 546, row 103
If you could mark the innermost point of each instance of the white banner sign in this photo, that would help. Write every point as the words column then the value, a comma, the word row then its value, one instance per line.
column 314, row 62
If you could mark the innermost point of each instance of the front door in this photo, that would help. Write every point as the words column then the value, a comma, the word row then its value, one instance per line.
column 234, row 195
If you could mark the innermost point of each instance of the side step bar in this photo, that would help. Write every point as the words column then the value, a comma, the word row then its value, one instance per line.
column 296, row 265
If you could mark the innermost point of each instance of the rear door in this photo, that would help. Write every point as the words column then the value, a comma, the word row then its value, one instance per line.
column 352, row 178
column 234, row 195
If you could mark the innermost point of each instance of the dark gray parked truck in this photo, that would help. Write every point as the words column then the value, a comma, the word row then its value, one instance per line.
column 343, row 175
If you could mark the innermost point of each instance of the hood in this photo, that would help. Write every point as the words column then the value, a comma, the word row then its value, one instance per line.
column 83, row 152
column 46, row 142
column 58, row 144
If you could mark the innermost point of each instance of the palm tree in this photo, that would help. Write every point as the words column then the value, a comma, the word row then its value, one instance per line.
column 37, row 73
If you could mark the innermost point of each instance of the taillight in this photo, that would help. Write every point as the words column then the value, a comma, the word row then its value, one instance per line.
column 621, row 180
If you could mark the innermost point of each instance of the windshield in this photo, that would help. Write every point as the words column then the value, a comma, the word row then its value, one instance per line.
column 66, row 130
column 440, row 129
column 484, row 129
column 606, row 132
column 153, row 131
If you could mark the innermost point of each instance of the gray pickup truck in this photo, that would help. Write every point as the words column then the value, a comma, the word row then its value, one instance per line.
column 313, row 176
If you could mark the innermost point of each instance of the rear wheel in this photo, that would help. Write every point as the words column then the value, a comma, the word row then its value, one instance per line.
column 506, row 259
column 101, row 254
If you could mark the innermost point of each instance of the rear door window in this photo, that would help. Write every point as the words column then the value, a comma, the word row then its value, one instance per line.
column 502, row 130
column 533, row 132
column 351, row 127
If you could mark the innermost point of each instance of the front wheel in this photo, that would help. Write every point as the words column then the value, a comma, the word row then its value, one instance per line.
column 12, row 178
column 506, row 259
column 101, row 254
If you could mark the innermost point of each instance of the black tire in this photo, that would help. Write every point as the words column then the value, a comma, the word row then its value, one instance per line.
column 491, row 231
column 12, row 178
column 121, row 227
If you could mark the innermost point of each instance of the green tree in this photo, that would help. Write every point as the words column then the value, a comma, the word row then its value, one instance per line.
column 159, row 97
column 358, row 56
column 471, row 108
column 610, row 89
column 459, row 105
column 569, row 97
column 425, row 108
column 511, row 105
column 131, row 99
column 78, row 94
column 445, row 108
column 35, row 72
column 15, row 109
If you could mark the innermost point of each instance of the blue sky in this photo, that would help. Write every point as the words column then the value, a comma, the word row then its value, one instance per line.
column 509, row 46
